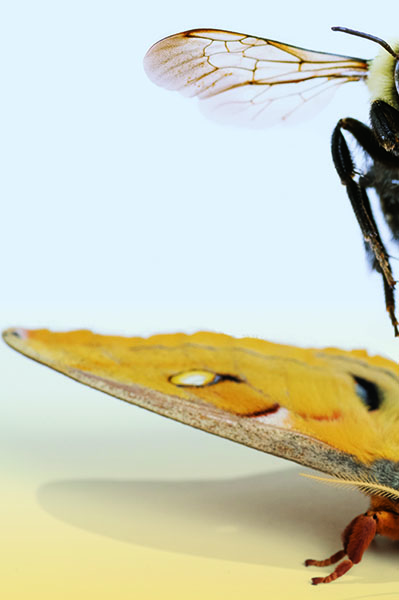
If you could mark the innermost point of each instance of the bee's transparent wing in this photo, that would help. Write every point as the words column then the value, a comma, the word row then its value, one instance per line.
column 249, row 80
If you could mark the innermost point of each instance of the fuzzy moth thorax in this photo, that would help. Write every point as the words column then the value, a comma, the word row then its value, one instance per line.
column 386, row 513
column 381, row 77
column 389, row 504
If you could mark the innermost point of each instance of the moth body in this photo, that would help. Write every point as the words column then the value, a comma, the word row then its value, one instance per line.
column 381, row 519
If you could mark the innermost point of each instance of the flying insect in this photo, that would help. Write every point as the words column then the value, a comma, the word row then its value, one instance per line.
column 257, row 82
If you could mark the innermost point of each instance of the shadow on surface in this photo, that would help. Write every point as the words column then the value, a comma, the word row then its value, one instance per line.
column 260, row 519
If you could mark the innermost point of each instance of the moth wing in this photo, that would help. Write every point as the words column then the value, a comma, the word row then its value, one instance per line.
column 309, row 406
column 248, row 80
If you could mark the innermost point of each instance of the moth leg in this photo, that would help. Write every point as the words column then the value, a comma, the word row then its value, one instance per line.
column 327, row 561
column 361, row 205
column 356, row 538
column 340, row 570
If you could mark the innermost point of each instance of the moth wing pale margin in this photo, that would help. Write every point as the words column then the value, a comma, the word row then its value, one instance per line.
column 257, row 433
column 248, row 80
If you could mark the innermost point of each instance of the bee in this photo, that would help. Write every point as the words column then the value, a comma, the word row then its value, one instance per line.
column 256, row 81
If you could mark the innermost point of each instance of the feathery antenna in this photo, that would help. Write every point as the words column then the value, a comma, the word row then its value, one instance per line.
column 368, row 486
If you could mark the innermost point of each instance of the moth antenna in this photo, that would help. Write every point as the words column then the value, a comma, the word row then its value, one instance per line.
column 368, row 36
column 368, row 486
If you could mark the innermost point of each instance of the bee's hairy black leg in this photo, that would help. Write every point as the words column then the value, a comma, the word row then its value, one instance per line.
column 361, row 206
column 367, row 140
column 385, row 122
column 360, row 202
column 390, row 305
column 388, row 289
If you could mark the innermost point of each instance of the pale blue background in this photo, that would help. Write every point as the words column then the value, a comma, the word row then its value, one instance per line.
column 125, row 210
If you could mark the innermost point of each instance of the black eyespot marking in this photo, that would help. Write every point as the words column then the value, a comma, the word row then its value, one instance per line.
column 368, row 393
column 16, row 333
column 227, row 377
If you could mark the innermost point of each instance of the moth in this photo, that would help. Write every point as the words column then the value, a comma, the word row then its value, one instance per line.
column 332, row 410
column 256, row 81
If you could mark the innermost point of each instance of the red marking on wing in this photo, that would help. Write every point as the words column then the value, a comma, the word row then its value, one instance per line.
column 333, row 417
column 264, row 412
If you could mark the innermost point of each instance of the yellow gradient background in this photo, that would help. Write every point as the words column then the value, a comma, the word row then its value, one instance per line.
column 101, row 499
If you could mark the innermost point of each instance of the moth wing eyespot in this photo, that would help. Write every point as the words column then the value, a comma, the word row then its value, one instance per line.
column 368, row 392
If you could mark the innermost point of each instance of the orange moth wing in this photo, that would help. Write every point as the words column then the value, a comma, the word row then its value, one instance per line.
column 307, row 405
column 328, row 409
